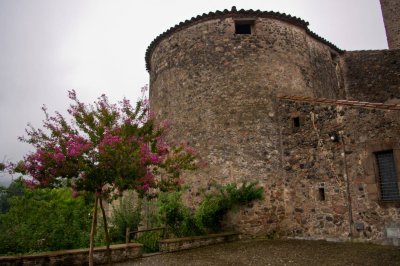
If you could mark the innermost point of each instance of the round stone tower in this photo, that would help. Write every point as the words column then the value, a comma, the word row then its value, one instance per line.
column 391, row 18
column 215, row 77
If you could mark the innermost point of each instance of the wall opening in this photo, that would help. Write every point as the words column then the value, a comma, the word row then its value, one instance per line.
column 387, row 176
column 296, row 122
column 244, row 26
column 321, row 194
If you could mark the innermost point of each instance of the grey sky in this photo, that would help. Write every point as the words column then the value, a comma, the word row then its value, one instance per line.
column 50, row 46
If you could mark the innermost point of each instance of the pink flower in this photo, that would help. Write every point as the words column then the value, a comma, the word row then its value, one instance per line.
column 110, row 140
column 57, row 155
column 155, row 159
column 77, row 145
column 75, row 194
column 72, row 94
column 146, row 187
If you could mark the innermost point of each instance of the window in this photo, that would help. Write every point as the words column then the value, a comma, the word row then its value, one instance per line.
column 321, row 194
column 387, row 176
column 296, row 122
column 244, row 26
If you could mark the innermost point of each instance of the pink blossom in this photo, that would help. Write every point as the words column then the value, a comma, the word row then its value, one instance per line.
column 145, row 187
column 57, row 155
column 72, row 94
column 74, row 194
column 77, row 145
column 144, row 153
column 155, row 159
column 161, row 146
column 111, row 140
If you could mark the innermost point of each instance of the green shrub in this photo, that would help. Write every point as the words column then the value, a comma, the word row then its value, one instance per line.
column 210, row 213
column 212, row 209
column 181, row 221
column 244, row 194
column 176, row 216
column 150, row 241
column 127, row 214
column 44, row 220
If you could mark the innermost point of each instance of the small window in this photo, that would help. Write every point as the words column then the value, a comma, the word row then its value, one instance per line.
column 321, row 194
column 243, row 27
column 296, row 122
column 387, row 176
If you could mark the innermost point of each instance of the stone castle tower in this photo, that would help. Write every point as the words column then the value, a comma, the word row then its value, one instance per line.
column 391, row 18
column 260, row 96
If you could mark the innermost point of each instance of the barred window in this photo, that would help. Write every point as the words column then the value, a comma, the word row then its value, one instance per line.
column 387, row 176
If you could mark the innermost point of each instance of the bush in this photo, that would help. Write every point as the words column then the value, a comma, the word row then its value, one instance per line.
column 181, row 221
column 244, row 194
column 150, row 241
column 127, row 214
column 44, row 220
column 212, row 209
column 177, row 217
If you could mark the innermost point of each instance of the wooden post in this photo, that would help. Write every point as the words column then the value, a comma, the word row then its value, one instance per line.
column 127, row 235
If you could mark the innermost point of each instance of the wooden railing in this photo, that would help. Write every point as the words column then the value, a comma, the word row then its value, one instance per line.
column 128, row 233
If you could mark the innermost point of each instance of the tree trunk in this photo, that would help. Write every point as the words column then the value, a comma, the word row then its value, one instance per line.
column 93, row 231
column 106, row 230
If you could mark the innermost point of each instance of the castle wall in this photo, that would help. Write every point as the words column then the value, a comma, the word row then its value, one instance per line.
column 391, row 17
column 372, row 76
column 218, row 88
column 312, row 161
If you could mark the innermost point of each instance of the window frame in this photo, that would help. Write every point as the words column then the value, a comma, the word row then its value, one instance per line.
column 382, row 196
column 372, row 171
column 247, row 21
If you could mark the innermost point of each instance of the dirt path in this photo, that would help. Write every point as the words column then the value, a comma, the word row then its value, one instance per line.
column 279, row 252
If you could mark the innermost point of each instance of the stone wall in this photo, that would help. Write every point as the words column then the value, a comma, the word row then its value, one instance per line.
column 217, row 89
column 372, row 76
column 176, row 244
column 391, row 17
column 119, row 253
column 316, row 168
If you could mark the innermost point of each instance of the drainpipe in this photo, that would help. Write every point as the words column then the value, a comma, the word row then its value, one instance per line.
column 346, row 178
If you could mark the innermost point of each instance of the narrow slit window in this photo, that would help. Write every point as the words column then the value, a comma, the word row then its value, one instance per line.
column 388, row 182
column 296, row 122
column 321, row 194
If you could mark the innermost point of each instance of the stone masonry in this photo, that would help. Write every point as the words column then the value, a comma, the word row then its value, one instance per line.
column 391, row 17
column 260, row 107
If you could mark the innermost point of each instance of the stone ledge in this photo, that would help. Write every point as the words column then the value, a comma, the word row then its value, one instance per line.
column 175, row 244
column 119, row 253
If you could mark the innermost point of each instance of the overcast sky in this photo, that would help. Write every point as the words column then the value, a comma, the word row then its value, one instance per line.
column 50, row 46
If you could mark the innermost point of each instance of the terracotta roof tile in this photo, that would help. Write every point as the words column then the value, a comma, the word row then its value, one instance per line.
column 369, row 105
column 235, row 13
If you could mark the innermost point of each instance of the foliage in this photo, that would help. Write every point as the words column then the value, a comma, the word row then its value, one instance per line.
column 176, row 216
column 43, row 220
column 212, row 209
column 126, row 215
column 16, row 188
column 244, row 194
column 181, row 221
column 150, row 241
column 105, row 149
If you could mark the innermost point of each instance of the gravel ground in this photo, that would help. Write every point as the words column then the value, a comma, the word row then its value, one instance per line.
column 278, row 252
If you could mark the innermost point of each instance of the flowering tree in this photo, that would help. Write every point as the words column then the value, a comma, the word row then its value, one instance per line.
column 105, row 149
